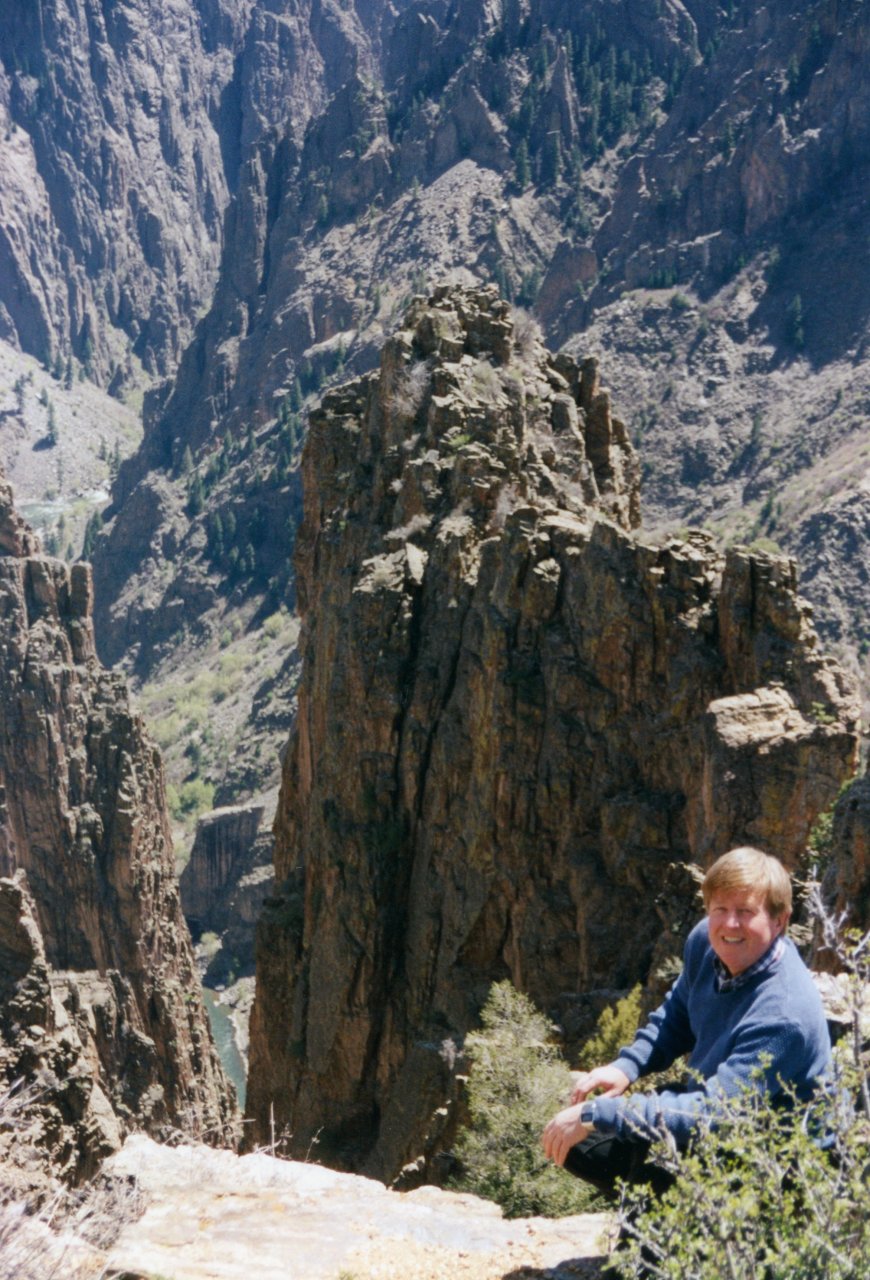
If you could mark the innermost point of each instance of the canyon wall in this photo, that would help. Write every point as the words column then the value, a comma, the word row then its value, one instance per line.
column 519, row 721
column 91, row 909
column 122, row 131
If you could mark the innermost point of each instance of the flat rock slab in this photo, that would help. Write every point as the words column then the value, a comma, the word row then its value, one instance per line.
column 213, row 1215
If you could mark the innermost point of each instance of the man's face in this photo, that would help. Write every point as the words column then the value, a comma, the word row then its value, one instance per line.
column 741, row 928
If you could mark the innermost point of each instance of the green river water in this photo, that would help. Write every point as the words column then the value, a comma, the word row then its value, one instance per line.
column 222, row 1030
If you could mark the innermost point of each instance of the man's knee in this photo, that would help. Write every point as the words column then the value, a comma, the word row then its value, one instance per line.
column 604, row 1159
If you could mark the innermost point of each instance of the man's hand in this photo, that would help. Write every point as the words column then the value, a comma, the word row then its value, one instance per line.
column 610, row 1080
column 562, row 1133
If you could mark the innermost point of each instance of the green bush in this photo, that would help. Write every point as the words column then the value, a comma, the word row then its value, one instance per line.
column 758, row 1199
column 516, row 1084
column 616, row 1028
column 187, row 802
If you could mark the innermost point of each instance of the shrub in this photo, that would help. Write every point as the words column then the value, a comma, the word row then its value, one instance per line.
column 187, row 802
column 758, row 1199
column 616, row 1028
column 517, row 1083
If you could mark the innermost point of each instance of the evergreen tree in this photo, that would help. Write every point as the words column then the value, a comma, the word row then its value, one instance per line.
column 195, row 495
column 553, row 158
column 523, row 169
column 92, row 530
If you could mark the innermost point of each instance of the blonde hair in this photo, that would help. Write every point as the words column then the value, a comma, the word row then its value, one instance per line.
column 748, row 868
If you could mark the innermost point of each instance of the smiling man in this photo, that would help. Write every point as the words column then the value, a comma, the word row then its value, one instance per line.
column 744, row 1001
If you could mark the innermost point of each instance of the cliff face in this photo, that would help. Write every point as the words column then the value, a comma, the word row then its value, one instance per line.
column 680, row 189
column 517, row 722
column 83, row 818
column 122, row 129
column 113, row 186
column 848, row 854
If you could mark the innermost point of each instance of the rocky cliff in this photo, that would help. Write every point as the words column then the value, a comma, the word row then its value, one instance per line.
column 677, row 190
column 122, row 129
column 113, row 186
column 845, row 860
column 223, row 886
column 103, row 980
column 518, row 721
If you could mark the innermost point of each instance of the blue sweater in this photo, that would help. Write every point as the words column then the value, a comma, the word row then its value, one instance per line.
column 777, row 1011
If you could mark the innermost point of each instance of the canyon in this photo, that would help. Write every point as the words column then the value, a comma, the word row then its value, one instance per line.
column 326, row 293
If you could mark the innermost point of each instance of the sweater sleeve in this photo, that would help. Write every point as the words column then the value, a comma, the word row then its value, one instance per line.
column 642, row 1116
column 668, row 1033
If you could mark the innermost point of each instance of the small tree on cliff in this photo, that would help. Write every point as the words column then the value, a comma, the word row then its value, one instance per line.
column 517, row 1081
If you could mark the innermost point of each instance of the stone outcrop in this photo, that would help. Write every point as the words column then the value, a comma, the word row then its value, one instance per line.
column 221, row 854
column 224, row 884
column 70, row 1037
column 745, row 143
column 211, row 1212
column 518, row 722
column 100, row 958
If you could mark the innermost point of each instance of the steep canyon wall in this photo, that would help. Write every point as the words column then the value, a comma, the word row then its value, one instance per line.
column 518, row 721
column 101, row 999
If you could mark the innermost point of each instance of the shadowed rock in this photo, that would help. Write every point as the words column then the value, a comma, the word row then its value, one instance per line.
column 91, row 923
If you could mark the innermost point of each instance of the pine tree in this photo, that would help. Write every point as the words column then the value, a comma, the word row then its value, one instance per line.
column 523, row 169
column 92, row 530
column 195, row 495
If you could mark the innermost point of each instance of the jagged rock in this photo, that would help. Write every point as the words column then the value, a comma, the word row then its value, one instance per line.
column 397, row 168
column 71, row 1124
column 16, row 537
column 518, row 723
column 212, row 1212
column 83, row 814
column 123, row 134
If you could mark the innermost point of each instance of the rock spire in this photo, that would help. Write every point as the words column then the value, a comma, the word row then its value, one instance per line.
column 518, row 723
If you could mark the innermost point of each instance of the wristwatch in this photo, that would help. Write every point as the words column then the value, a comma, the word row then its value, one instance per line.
column 588, row 1114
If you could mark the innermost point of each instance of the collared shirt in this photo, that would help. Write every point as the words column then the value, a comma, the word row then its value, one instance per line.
column 726, row 981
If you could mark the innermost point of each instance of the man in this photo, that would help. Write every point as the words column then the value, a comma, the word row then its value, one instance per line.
column 744, row 1001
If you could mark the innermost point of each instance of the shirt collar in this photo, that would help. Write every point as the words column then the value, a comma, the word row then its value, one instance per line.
column 772, row 956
